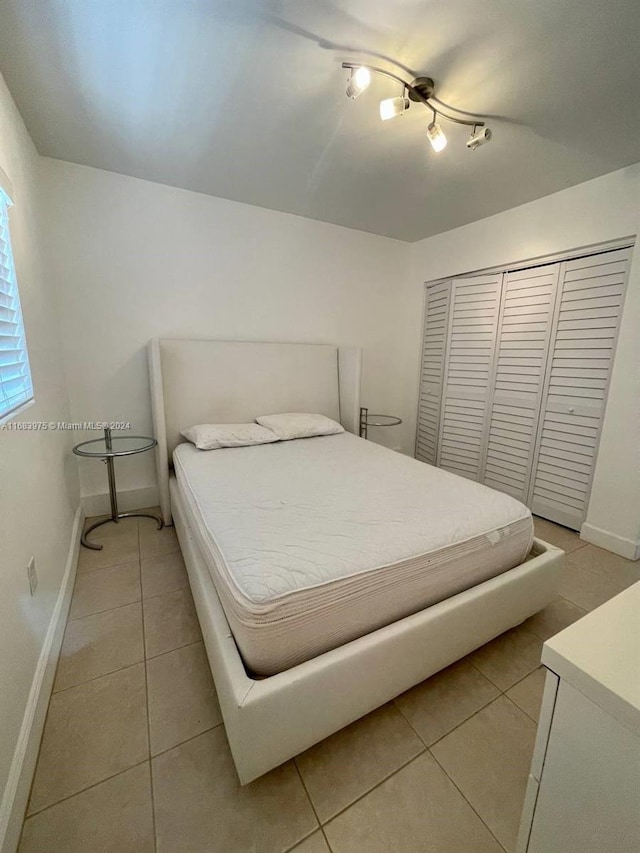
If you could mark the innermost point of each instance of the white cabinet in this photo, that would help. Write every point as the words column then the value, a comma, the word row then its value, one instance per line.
column 583, row 794
column 515, row 373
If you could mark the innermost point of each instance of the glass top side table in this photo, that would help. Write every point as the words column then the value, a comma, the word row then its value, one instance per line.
column 367, row 420
column 107, row 449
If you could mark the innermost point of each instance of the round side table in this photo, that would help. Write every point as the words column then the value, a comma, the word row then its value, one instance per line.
column 367, row 420
column 107, row 449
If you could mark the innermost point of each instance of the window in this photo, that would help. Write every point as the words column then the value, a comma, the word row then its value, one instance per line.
column 15, row 376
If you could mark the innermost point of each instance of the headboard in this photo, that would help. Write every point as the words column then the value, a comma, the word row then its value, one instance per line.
column 200, row 381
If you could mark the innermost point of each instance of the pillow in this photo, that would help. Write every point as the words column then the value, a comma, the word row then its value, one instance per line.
column 299, row 425
column 214, row 436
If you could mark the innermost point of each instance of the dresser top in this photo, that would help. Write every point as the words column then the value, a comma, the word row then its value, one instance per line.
column 600, row 656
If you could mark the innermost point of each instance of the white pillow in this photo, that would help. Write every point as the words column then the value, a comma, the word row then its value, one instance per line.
column 214, row 436
column 299, row 425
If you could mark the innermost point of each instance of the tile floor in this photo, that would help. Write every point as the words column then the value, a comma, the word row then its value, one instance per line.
column 134, row 756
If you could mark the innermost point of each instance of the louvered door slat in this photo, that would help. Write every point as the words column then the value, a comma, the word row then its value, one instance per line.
column 524, row 330
column 475, row 305
column 436, row 325
column 584, row 338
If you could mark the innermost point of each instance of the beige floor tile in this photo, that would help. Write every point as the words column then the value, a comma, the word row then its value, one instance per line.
column 92, row 732
column 351, row 762
column 201, row 806
column 120, row 545
column 164, row 573
column 313, row 844
column 489, row 758
column 112, row 817
column 527, row 694
column 554, row 618
column 170, row 621
column 105, row 589
column 417, row 810
column 445, row 700
column 618, row 569
column 586, row 588
column 557, row 535
column 98, row 644
column 182, row 697
column 509, row 657
column 153, row 541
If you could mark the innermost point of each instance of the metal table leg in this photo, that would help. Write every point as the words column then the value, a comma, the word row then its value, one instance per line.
column 113, row 498
column 96, row 547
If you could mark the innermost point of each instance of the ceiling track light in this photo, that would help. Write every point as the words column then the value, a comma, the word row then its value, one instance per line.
column 479, row 137
column 421, row 91
column 393, row 107
column 436, row 135
column 358, row 81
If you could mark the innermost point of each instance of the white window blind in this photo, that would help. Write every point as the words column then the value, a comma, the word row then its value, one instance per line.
column 16, row 388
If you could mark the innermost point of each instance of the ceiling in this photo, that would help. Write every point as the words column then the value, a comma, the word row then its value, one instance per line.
column 244, row 99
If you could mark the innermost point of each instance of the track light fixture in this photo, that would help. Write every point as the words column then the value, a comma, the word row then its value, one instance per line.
column 392, row 107
column 436, row 136
column 479, row 137
column 419, row 90
column 358, row 81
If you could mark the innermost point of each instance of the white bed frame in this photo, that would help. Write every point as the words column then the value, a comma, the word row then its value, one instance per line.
column 272, row 719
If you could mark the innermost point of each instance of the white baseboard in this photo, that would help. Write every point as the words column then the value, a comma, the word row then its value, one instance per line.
column 127, row 501
column 610, row 541
column 16, row 793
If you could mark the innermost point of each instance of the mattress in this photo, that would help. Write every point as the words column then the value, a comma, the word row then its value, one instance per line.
column 313, row 542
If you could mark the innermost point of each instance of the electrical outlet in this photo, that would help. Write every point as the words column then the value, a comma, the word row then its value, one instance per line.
column 32, row 575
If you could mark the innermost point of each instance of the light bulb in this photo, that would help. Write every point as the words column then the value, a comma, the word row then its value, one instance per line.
column 358, row 81
column 392, row 107
column 436, row 136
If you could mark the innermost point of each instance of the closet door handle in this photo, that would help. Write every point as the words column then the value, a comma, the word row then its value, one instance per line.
column 571, row 410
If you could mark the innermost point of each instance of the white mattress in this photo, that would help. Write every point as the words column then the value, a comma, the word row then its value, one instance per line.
column 314, row 542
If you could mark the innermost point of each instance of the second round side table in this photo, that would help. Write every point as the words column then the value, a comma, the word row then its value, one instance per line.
column 367, row 420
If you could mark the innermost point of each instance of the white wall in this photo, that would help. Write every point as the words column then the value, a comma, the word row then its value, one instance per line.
column 603, row 209
column 134, row 260
column 38, row 476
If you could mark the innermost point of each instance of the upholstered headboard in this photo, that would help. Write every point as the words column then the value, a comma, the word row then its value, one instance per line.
column 200, row 381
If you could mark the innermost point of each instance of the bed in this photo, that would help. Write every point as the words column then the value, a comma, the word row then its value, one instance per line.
column 329, row 574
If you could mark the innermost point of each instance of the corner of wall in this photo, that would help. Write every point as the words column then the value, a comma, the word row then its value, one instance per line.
column 629, row 548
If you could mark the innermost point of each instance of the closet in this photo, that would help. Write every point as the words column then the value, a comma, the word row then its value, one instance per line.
column 514, row 377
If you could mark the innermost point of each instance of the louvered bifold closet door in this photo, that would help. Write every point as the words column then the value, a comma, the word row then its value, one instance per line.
column 524, row 330
column 584, row 338
column 436, row 321
column 473, row 320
